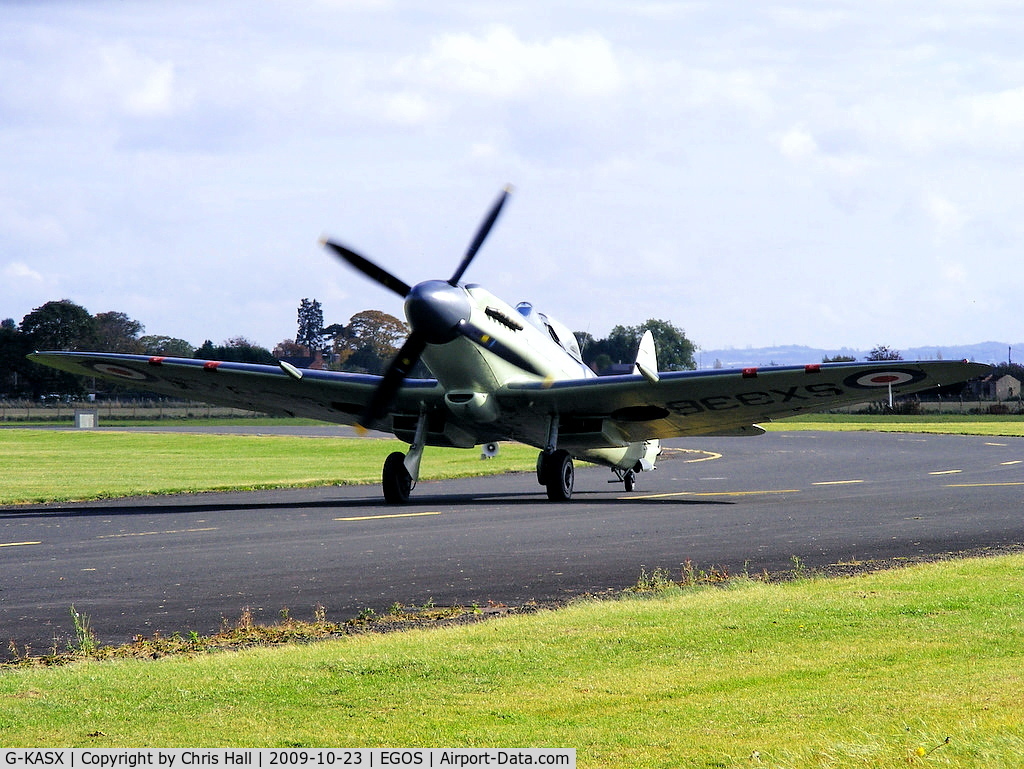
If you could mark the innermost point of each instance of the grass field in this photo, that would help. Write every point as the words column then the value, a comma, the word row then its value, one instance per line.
column 963, row 424
column 876, row 670
column 52, row 466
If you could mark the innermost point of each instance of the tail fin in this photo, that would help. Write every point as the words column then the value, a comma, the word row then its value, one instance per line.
column 647, row 358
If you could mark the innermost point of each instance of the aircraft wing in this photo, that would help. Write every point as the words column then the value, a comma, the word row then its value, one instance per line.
column 595, row 412
column 330, row 396
column 601, row 412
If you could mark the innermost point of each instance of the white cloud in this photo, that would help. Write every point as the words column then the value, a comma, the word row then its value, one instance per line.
column 998, row 117
column 947, row 217
column 500, row 65
column 798, row 144
column 116, row 80
column 19, row 272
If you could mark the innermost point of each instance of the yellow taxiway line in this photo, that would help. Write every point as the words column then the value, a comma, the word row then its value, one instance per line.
column 393, row 515
column 151, row 533
column 976, row 485
column 18, row 544
column 712, row 494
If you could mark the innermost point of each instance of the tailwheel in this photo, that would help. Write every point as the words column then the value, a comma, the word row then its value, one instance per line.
column 396, row 480
column 629, row 480
column 555, row 471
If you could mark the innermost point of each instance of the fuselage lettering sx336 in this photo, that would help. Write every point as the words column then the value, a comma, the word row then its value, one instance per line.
column 508, row 373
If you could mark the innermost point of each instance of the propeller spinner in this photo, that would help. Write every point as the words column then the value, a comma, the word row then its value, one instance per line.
column 438, row 312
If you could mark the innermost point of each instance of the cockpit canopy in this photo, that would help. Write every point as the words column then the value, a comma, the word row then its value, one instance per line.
column 557, row 331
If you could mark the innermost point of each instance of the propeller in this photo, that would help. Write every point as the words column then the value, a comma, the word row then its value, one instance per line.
column 438, row 312
column 481, row 235
column 368, row 268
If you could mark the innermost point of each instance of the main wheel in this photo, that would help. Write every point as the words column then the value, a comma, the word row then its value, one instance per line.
column 559, row 475
column 396, row 480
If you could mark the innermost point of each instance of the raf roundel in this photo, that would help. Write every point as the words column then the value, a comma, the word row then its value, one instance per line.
column 121, row 372
column 885, row 378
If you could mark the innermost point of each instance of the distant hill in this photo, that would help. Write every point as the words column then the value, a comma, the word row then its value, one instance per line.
column 798, row 355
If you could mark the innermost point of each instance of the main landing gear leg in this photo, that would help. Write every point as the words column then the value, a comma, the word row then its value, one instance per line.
column 401, row 471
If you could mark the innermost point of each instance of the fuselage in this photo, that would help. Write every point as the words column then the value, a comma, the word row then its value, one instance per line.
column 473, row 377
column 461, row 365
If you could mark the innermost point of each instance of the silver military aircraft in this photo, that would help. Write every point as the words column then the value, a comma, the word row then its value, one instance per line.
column 507, row 373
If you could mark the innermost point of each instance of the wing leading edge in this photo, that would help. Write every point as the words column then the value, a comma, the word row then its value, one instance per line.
column 325, row 395
column 591, row 413
column 631, row 408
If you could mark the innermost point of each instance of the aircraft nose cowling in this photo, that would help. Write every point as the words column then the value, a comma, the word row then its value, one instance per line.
column 435, row 309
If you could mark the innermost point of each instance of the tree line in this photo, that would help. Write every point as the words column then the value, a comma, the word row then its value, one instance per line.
column 65, row 325
column 366, row 344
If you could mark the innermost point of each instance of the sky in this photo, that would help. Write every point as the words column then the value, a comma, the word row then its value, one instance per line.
column 831, row 174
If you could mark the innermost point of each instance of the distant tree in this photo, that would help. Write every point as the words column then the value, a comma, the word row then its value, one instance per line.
column 1015, row 370
column 675, row 351
column 601, row 362
column 621, row 344
column 166, row 345
column 883, row 352
column 237, row 350
column 116, row 332
column 57, row 325
column 14, row 346
column 60, row 325
column 205, row 350
column 369, row 341
column 289, row 348
column 311, row 325
column 838, row 359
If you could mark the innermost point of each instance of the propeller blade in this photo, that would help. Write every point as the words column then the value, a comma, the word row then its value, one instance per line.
column 368, row 268
column 502, row 350
column 391, row 382
column 481, row 235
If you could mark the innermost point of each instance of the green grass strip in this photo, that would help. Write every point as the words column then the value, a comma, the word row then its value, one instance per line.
column 949, row 424
column 51, row 466
column 876, row 670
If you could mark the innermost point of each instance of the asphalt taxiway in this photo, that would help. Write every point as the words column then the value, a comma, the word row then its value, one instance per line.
column 183, row 563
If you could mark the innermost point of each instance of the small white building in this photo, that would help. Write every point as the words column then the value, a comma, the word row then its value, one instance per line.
column 993, row 388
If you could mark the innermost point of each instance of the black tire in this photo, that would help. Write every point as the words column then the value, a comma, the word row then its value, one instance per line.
column 629, row 480
column 395, row 479
column 559, row 476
